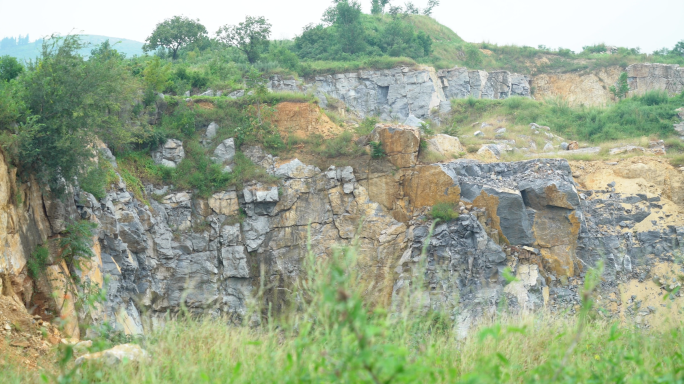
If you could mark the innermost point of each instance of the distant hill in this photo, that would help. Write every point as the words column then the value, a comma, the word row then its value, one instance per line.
column 32, row 50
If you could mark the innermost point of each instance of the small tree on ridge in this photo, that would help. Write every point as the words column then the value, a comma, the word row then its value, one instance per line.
column 174, row 34
column 250, row 36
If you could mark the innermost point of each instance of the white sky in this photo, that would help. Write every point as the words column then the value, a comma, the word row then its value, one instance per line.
column 649, row 24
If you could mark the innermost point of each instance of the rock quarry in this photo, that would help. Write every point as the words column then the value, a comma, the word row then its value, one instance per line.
column 548, row 221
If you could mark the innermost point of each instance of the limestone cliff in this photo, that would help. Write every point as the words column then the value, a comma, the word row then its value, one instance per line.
column 397, row 93
column 545, row 219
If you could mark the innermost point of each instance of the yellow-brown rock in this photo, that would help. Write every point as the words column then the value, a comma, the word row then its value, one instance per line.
column 400, row 143
column 225, row 203
column 429, row 184
column 303, row 120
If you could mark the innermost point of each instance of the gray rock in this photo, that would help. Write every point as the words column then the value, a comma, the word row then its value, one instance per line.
column 225, row 152
column 627, row 263
column 564, row 146
column 170, row 154
column 536, row 194
column 237, row 94
column 234, row 261
column 413, row 121
column 230, row 235
column 209, row 93
column 479, row 134
column 548, row 147
column 108, row 156
column 211, row 131
column 187, row 94
column 255, row 229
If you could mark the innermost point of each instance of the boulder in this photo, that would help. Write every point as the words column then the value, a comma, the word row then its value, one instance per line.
column 225, row 152
column 170, row 154
column 564, row 146
column 445, row 145
column 542, row 193
column 490, row 152
column 211, row 131
column 478, row 134
column 413, row 121
column 225, row 203
column 400, row 143
column 548, row 147
column 132, row 353
column 508, row 214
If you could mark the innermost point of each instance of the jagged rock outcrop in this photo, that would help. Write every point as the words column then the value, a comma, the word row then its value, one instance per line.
column 400, row 92
column 170, row 154
column 544, row 219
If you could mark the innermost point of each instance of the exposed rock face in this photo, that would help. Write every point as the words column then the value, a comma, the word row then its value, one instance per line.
column 302, row 120
column 210, row 254
column 170, row 154
column 400, row 92
column 644, row 77
column 588, row 89
column 594, row 88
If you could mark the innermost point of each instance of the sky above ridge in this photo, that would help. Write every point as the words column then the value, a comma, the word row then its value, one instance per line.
column 569, row 24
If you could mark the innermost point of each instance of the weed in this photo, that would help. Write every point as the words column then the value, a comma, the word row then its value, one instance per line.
column 444, row 211
column 377, row 152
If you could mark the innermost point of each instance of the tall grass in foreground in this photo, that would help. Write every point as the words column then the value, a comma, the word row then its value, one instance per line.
column 331, row 335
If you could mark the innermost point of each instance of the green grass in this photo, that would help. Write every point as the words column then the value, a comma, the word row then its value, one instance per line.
column 330, row 334
column 649, row 115
column 444, row 211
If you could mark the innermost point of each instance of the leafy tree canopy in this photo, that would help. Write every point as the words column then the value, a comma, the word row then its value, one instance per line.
column 10, row 68
column 250, row 36
column 66, row 102
column 174, row 34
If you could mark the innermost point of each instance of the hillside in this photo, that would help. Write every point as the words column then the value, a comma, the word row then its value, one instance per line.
column 375, row 201
column 32, row 50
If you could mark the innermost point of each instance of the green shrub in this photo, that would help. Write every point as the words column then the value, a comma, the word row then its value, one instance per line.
column 367, row 126
column 342, row 145
column 38, row 262
column 377, row 152
column 98, row 178
column 444, row 211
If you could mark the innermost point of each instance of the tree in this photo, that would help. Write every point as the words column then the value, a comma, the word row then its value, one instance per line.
column 10, row 68
column 678, row 49
column 411, row 9
column 378, row 6
column 174, row 34
column 68, row 102
column 250, row 36
column 427, row 11
column 345, row 17
column 620, row 89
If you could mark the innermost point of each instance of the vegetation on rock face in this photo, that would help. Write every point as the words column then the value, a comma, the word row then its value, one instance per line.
column 444, row 211
column 650, row 114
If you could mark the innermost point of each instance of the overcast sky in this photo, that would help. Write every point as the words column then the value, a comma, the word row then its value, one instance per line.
column 650, row 25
